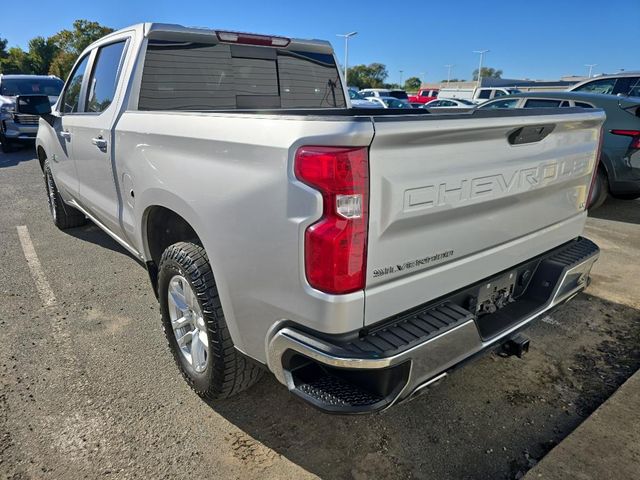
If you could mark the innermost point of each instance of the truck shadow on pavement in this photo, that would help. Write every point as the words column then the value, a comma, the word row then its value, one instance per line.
column 627, row 211
column 495, row 418
column 12, row 159
column 93, row 234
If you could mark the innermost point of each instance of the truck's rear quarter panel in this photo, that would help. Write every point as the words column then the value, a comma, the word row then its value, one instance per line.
column 453, row 202
column 230, row 176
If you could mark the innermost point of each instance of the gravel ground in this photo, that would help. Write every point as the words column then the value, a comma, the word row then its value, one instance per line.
column 88, row 388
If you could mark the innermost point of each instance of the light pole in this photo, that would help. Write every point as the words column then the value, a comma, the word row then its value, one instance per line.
column 346, row 36
column 401, row 72
column 481, row 52
column 590, row 65
column 449, row 67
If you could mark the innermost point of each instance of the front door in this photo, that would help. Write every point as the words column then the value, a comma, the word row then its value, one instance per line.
column 64, row 119
column 92, row 137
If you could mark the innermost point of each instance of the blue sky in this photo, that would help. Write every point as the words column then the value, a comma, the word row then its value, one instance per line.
column 542, row 39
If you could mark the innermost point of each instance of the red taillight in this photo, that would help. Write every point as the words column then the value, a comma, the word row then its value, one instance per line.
column 252, row 39
column 634, row 134
column 336, row 245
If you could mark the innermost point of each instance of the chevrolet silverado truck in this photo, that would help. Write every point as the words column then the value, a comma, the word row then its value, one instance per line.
column 360, row 255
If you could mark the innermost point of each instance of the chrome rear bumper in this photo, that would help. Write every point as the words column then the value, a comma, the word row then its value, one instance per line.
column 457, row 336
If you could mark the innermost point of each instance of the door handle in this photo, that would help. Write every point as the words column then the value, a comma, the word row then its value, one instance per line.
column 99, row 142
column 66, row 135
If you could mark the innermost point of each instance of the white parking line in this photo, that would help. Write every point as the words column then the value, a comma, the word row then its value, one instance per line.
column 44, row 289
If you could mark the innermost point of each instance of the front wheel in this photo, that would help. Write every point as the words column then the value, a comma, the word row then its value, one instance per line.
column 63, row 215
column 5, row 144
column 195, row 327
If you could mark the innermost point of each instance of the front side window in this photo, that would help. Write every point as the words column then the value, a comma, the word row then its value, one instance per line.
column 625, row 86
column 499, row 93
column 197, row 76
column 604, row 85
column 541, row 103
column 71, row 97
column 103, row 80
column 634, row 87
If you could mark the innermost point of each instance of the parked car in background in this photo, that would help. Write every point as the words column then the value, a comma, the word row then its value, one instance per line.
column 389, row 102
column 619, row 172
column 476, row 95
column 399, row 94
column 358, row 100
column 375, row 92
column 18, row 127
column 627, row 83
column 449, row 103
column 424, row 95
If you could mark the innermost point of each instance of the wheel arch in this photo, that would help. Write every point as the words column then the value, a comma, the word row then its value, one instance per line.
column 42, row 156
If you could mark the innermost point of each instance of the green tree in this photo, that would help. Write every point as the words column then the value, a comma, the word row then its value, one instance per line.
column 70, row 43
column 488, row 72
column 367, row 76
column 42, row 52
column 16, row 61
column 412, row 84
column 54, row 55
column 3, row 48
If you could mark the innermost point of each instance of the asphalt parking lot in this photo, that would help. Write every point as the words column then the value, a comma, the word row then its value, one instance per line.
column 88, row 388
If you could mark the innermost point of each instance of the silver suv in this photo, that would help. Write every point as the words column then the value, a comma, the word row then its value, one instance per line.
column 626, row 84
column 18, row 127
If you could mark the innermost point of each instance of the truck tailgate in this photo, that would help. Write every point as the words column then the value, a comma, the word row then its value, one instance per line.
column 457, row 198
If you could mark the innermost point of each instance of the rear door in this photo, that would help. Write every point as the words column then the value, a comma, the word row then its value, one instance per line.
column 92, row 136
column 457, row 198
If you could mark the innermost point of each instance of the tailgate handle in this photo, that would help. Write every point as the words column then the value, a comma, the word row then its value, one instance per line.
column 530, row 134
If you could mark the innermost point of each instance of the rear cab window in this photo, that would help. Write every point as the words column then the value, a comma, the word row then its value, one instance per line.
column 199, row 76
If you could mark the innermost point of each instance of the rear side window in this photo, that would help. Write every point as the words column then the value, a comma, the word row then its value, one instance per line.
column 103, row 80
column 196, row 76
column 541, row 103
column 583, row 105
column 604, row 85
column 71, row 97
column 484, row 94
column 508, row 103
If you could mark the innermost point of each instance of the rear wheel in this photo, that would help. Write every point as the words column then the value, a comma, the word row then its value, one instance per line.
column 63, row 215
column 600, row 190
column 195, row 327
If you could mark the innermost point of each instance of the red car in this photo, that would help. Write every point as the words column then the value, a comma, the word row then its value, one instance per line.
column 424, row 95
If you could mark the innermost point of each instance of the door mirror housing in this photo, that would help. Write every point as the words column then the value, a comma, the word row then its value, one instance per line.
column 33, row 105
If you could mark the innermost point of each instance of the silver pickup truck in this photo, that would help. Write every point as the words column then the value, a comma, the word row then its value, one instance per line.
column 358, row 254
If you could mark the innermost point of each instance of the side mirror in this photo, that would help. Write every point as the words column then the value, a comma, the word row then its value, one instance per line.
column 33, row 105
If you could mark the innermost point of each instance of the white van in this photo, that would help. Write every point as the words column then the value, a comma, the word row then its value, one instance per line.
column 476, row 95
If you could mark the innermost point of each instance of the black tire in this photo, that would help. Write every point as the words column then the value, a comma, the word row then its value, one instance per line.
column 227, row 371
column 6, row 144
column 600, row 190
column 63, row 215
